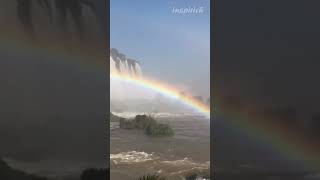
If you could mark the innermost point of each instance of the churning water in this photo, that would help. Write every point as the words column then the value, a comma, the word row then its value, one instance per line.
column 134, row 154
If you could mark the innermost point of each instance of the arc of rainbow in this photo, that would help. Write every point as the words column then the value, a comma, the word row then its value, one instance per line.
column 165, row 89
column 270, row 134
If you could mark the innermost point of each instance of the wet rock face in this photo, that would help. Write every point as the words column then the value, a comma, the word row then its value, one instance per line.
column 150, row 126
column 139, row 122
column 124, row 65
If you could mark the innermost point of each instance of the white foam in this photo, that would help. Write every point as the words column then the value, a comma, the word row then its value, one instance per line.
column 187, row 162
column 159, row 114
column 114, row 125
column 124, row 67
column 131, row 157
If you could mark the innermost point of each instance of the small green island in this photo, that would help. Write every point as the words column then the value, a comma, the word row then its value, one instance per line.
column 147, row 123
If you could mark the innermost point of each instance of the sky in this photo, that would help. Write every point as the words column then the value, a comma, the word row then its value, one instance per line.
column 174, row 48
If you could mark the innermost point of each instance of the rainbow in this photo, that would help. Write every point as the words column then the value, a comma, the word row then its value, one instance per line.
column 89, row 60
column 284, row 141
column 291, row 142
column 166, row 90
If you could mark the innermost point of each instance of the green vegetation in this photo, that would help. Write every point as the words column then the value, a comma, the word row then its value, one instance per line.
column 144, row 121
column 159, row 130
column 189, row 177
column 197, row 176
column 151, row 177
column 148, row 124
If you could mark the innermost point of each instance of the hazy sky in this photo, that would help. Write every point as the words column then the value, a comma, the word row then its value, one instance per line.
column 171, row 47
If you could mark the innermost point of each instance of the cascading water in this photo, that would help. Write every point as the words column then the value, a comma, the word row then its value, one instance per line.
column 126, row 97
column 123, row 95
column 119, row 63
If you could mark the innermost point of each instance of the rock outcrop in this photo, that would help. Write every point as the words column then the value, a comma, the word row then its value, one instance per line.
column 139, row 122
column 150, row 126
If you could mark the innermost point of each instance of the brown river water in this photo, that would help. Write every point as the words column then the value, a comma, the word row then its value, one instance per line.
column 134, row 154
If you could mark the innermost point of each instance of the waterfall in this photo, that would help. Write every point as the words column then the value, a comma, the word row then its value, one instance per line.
column 127, row 97
column 119, row 63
